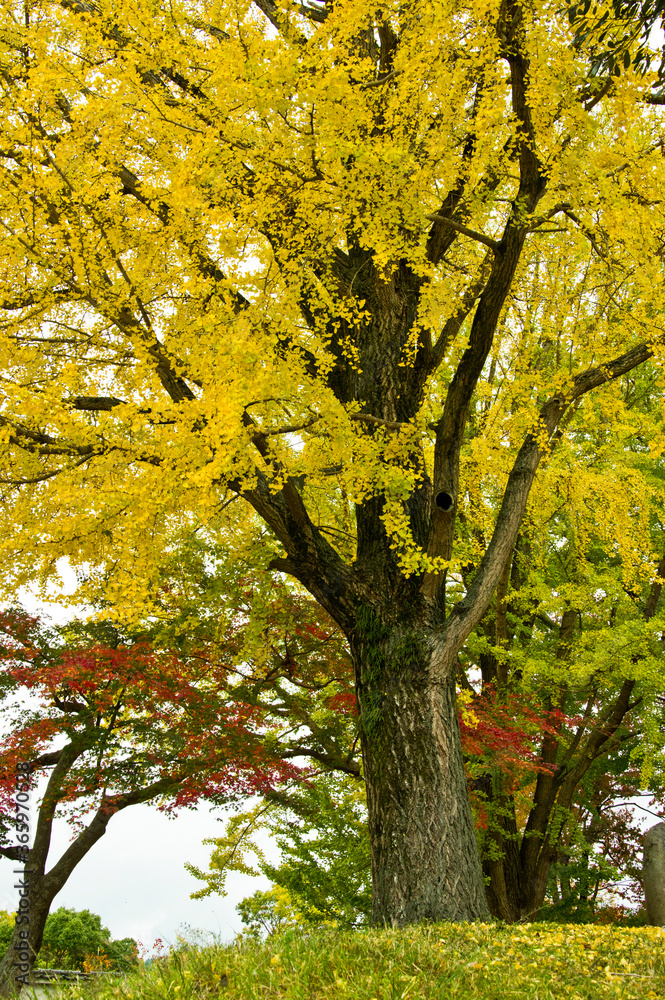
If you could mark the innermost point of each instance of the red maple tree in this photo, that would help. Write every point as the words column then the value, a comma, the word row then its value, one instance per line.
column 113, row 721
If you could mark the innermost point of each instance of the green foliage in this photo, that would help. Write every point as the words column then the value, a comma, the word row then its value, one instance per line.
column 6, row 928
column 326, row 854
column 617, row 35
column 597, row 874
column 268, row 912
column 76, row 939
column 324, row 875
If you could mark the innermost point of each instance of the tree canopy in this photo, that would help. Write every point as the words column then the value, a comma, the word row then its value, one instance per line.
column 619, row 34
column 351, row 289
column 284, row 157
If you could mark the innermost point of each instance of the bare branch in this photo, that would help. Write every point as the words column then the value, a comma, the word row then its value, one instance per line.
column 310, row 558
column 93, row 403
column 331, row 762
column 368, row 418
column 316, row 14
column 465, row 231
column 380, row 82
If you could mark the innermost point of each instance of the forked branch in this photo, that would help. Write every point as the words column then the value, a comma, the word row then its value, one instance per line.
column 468, row 612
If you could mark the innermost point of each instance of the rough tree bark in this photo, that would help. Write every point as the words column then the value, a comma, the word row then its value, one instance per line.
column 425, row 861
column 416, row 790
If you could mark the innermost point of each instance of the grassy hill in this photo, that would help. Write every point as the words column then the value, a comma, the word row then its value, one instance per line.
column 443, row 961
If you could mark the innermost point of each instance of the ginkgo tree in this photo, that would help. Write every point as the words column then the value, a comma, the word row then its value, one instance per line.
column 258, row 262
column 549, row 700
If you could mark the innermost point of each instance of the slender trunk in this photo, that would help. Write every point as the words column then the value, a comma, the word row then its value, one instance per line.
column 518, row 881
column 39, row 889
column 35, row 898
column 425, row 860
column 583, row 907
column 517, row 890
column 501, row 861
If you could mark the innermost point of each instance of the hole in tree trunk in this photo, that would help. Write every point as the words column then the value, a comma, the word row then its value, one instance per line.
column 444, row 501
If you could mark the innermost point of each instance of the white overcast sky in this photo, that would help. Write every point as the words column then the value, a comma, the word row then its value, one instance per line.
column 134, row 877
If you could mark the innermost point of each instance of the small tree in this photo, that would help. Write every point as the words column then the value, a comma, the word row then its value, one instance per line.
column 266, row 913
column 597, row 874
column 321, row 830
column 133, row 726
column 76, row 939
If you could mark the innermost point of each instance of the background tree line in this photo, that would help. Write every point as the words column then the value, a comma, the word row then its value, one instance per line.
column 76, row 939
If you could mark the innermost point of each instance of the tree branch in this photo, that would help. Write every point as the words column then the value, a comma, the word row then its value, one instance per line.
column 465, row 231
column 93, row 404
column 292, row 428
column 468, row 612
column 313, row 13
column 208, row 268
column 310, row 558
column 379, row 83
column 43, row 444
column 56, row 878
column 42, row 840
column 45, row 760
column 452, row 326
column 279, row 23
column 333, row 763
column 13, row 853
column 369, row 418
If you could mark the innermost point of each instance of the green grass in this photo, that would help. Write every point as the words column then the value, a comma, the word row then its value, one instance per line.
column 469, row 961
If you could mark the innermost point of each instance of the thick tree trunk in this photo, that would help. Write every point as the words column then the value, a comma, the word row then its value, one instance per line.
column 425, row 860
